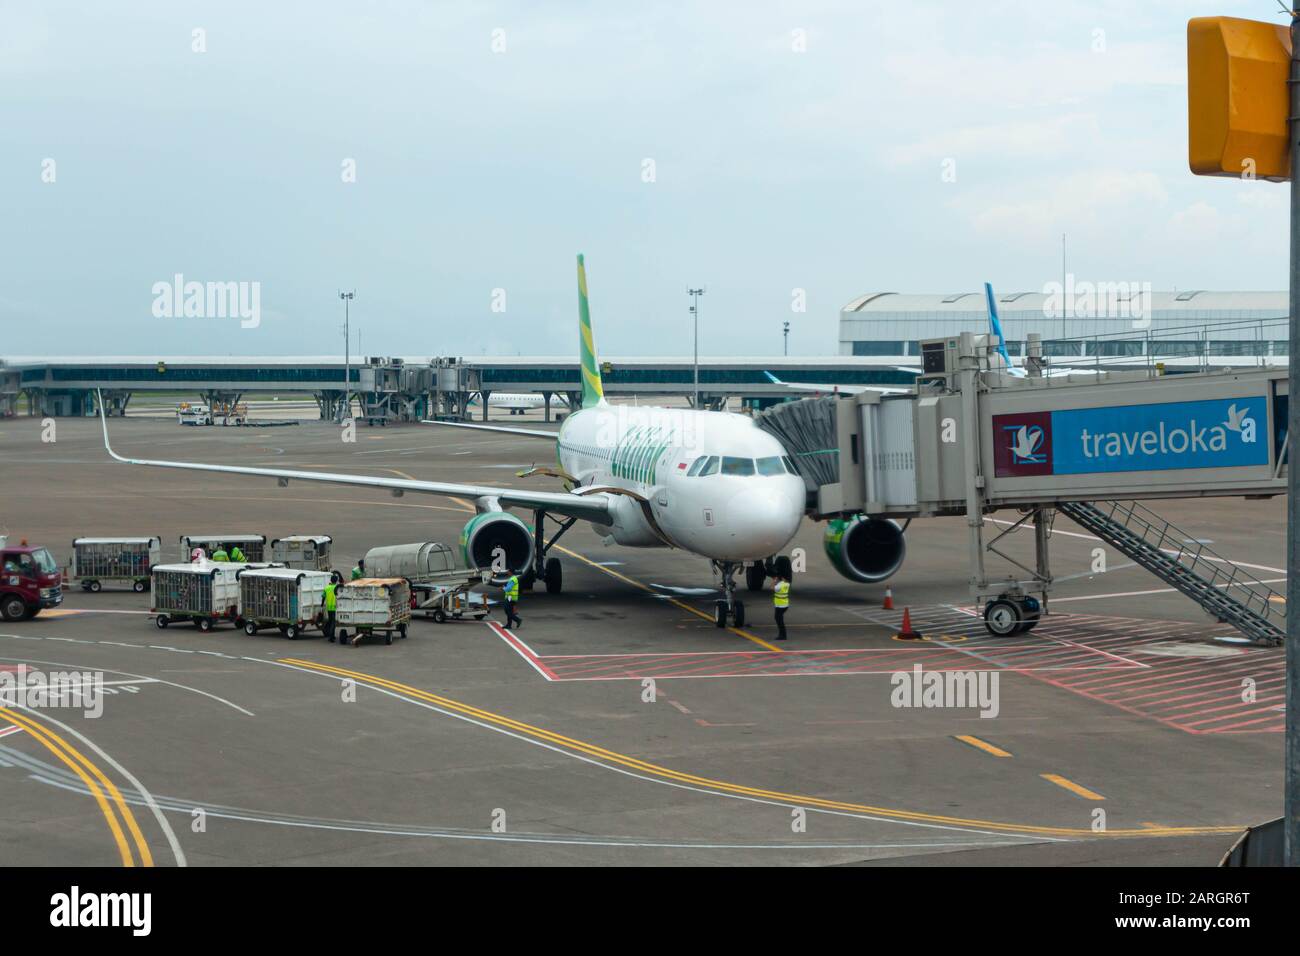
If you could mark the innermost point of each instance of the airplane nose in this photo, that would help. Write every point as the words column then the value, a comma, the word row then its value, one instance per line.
column 762, row 523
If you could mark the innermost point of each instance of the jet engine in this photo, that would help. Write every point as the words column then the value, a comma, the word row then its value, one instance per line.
column 865, row 549
column 497, row 540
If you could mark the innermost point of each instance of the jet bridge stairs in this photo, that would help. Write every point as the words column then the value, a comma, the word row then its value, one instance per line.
column 1229, row 593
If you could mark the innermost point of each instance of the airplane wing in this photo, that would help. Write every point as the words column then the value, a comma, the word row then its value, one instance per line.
column 844, row 389
column 505, row 429
column 591, row 507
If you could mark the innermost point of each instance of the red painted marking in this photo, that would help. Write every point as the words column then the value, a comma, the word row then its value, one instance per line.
column 521, row 649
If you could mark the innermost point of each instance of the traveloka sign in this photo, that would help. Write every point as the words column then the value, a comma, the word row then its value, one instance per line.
column 1217, row 433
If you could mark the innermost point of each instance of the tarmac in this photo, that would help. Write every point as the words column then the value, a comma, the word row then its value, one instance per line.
column 617, row 725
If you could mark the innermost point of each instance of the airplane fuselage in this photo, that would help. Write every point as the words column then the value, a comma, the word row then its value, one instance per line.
column 712, row 483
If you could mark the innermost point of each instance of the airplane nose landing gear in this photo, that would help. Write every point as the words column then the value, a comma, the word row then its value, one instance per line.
column 728, row 607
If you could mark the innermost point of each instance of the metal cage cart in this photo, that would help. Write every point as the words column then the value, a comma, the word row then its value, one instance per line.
column 307, row 552
column 286, row 598
column 253, row 545
column 371, row 606
column 205, row 593
column 100, row 561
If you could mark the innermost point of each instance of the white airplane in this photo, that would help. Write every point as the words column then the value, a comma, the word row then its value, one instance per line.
column 709, row 483
column 520, row 402
column 845, row 389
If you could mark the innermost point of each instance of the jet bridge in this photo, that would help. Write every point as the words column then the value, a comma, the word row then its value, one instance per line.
column 975, row 437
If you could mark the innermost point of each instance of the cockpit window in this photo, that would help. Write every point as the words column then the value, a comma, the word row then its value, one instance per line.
column 696, row 466
column 737, row 466
column 771, row 466
column 789, row 465
column 710, row 466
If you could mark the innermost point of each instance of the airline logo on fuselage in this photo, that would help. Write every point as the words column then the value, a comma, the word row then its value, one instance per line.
column 1216, row 433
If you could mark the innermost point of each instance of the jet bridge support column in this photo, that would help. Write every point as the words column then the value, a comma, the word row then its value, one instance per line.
column 968, row 376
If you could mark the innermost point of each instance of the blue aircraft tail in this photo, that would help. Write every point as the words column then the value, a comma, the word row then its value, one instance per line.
column 994, row 325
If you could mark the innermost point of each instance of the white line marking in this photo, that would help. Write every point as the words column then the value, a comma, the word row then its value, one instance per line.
column 177, row 852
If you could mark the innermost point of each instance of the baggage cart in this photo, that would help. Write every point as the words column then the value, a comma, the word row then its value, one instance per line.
column 307, row 552
column 205, row 593
column 286, row 598
column 369, row 606
column 99, row 561
column 253, row 545
column 440, row 602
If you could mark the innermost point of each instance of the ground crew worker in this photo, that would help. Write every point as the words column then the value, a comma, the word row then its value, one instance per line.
column 220, row 554
column 236, row 554
column 511, row 588
column 780, row 604
column 331, row 603
column 360, row 570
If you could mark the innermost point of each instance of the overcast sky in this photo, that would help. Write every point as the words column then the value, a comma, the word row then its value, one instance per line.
column 754, row 148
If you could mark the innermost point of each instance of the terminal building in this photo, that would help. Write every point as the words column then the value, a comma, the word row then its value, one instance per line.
column 1110, row 320
column 411, row 387
column 1080, row 323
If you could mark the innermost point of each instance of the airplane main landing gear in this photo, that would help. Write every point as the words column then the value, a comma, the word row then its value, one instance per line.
column 728, row 607
column 548, row 570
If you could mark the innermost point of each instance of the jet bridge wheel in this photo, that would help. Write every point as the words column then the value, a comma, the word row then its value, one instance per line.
column 1002, row 617
column 1008, row 616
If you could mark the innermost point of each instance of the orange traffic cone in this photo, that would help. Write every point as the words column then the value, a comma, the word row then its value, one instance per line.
column 906, row 633
column 889, row 599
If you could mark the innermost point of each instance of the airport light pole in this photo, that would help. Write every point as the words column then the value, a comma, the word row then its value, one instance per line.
column 695, row 314
column 347, row 298
column 785, row 346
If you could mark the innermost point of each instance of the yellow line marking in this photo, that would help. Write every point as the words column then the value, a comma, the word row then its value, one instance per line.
column 146, row 858
column 37, row 732
column 681, row 604
column 1073, row 787
column 641, row 766
column 982, row 745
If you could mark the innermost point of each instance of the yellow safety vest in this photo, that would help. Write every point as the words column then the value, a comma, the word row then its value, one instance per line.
column 237, row 555
column 331, row 602
column 781, row 594
column 512, row 588
column 220, row 555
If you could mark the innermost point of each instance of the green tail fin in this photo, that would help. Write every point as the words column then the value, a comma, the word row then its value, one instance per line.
column 593, row 391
